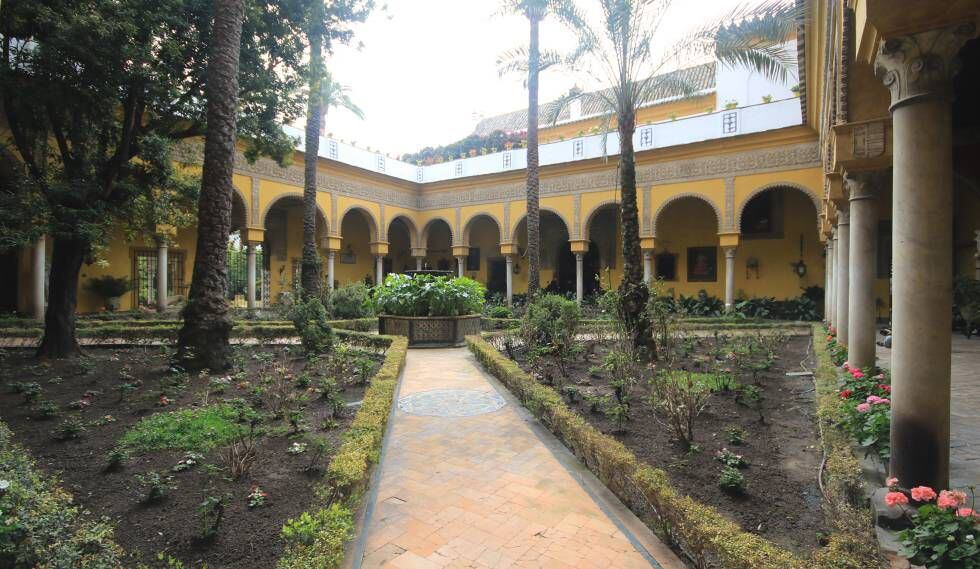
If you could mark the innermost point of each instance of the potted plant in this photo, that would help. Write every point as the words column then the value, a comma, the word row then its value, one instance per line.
column 731, row 104
column 110, row 289
column 432, row 310
column 767, row 98
column 508, row 145
column 795, row 89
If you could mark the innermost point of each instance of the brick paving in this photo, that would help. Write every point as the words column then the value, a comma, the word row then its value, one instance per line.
column 964, row 463
column 469, row 480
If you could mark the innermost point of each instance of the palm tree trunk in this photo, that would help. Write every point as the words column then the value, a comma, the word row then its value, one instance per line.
column 203, row 340
column 59, row 339
column 633, row 291
column 310, row 276
column 533, row 205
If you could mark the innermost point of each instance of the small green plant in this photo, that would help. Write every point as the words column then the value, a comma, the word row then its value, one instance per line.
column 572, row 393
column 115, row 459
column 735, row 435
column 45, row 410
column 310, row 320
column 351, row 300
column 125, row 389
column 302, row 529
column 618, row 413
column 751, row 396
column 199, row 429
column 320, row 448
column 500, row 312
column 596, row 402
column 68, row 429
column 189, row 461
column 211, row 510
column 296, row 448
column 729, row 458
column 256, row 497
column 731, row 481
column 595, row 371
column 154, row 486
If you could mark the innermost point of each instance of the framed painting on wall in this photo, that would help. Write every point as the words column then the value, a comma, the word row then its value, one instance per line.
column 702, row 264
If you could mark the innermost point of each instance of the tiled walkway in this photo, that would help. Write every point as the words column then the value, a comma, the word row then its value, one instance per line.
column 964, row 463
column 468, row 479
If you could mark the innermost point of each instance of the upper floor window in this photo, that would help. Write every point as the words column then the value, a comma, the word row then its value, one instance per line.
column 507, row 160
column 646, row 137
column 578, row 149
column 418, row 174
column 459, row 168
column 332, row 149
column 381, row 162
column 729, row 122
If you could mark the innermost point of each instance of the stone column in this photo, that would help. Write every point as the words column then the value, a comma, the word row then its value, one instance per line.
column 331, row 259
column 39, row 262
column 379, row 269
column 647, row 266
column 829, row 285
column 418, row 263
column 579, row 288
column 918, row 70
column 843, row 272
column 833, row 283
column 729, row 278
column 510, row 279
column 862, row 265
column 976, row 257
column 162, row 266
column 250, row 266
column 461, row 264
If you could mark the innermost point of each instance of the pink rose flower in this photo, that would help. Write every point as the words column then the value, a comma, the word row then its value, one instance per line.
column 884, row 401
column 863, row 407
column 896, row 499
column 966, row 513
column 858, row 374
column 923, row 494
column 890, row 482
column 846, row 366
column 873, row 399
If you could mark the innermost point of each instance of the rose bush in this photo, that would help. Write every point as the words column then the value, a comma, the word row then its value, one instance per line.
column 867, row 409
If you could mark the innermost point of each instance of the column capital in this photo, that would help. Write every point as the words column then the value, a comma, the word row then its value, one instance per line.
column 863, row 185
column 647, row 254
column 921, row 65
column 843, row 218
column 418, row 251
column 579, row 256
column 730, row 252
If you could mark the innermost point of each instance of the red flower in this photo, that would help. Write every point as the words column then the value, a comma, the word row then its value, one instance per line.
column 885, row 387
column 846, row 394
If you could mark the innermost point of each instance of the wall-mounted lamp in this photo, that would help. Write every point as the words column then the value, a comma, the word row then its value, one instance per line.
column 799, row 268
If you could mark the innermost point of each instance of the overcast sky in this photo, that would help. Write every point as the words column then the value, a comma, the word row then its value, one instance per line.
column 427, row 72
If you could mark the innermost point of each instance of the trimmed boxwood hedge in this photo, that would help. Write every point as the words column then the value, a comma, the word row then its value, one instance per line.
column 700, row 530
column 349, row 473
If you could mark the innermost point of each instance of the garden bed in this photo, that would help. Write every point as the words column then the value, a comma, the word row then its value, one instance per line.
column 781, row 500
column 131, row 399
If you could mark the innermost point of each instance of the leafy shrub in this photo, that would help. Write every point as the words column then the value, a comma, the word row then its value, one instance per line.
column 701, row 305
column 317, row 540
column 109, row 286
column 679, row 397
column 41, row 527
column 500, row 312
column 427, row 295
column 211, row 510
column 735, row 435
column 761, row 307
column 731, row 480
column 729, row 458
column 154, row 486
column 353, row 300
column 68, row 429
column 309, row 317
column 549, row 327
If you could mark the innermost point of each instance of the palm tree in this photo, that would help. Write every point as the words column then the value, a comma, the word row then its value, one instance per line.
column 310, row 275
column 203, row 340
column 530, row 59
column 621, row 53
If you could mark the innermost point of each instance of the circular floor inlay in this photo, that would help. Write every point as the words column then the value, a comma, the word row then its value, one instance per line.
column 451, row 403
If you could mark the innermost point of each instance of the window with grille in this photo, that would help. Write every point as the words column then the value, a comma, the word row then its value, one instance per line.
column 381, row 163
column 729, row 123
column 332, row 149
column 145, row 276
column 459, row 168
column 646, row 137
column 418, row 174
column 578, row 149
column 507, row 160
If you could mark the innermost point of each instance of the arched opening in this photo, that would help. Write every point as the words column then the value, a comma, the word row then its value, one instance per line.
column 484, row 262
column 237, row 260
column 399, row 258
column 438, row 240
column 780, row 252
column 603, row 264
column 283, row 246
column 355, row 261
column 687, row 257
column 557, row 260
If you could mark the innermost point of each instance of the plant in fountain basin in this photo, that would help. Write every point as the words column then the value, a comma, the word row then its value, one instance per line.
column 427, row 295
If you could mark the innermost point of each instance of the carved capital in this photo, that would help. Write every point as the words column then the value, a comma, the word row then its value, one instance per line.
column 730, row 252
column 843, row 217
column 921, row 65
column 863, row 185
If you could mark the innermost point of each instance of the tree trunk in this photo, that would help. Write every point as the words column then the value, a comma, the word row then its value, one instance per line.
column 59, row 339
column 533, row 206
column 310, row 276
column 203, row 340
column 633, row 291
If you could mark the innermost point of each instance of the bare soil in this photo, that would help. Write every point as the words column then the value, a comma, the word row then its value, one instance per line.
column 246, row 538
column 782, row 501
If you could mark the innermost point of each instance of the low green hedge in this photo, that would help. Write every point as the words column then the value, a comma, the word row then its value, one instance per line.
column 40, row 527
column 349, row 472
column 703, row 532
column 701, row 323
